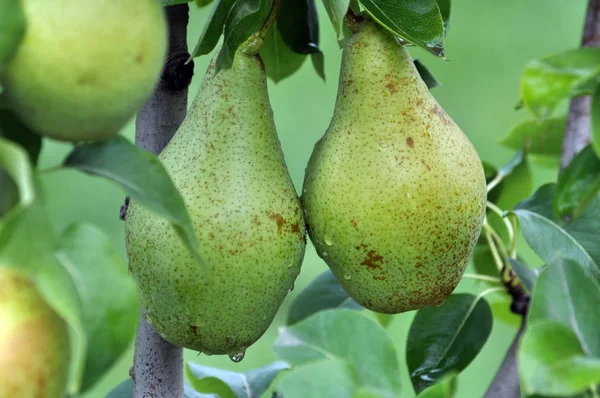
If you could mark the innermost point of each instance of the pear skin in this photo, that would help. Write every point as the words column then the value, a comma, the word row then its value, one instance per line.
column 227, row 163
column 34, row 341
column 85, row 67
column 394, row 192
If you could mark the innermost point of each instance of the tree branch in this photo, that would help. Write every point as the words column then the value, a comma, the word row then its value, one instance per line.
column 577, row 137
column 157, row 370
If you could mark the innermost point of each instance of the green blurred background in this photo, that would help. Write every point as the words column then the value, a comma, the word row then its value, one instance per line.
column 488, row 45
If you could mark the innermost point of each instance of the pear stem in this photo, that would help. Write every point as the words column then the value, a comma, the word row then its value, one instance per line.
column 254, row 43
column 353, row 21
column 482, row 278
column 509, row 228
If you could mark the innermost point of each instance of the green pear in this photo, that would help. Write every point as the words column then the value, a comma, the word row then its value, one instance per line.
column 394, row 192
column 34, row 341
column 227, row 163
column 84, row 68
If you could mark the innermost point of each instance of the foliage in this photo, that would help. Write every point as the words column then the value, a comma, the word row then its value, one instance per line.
column 332, row 346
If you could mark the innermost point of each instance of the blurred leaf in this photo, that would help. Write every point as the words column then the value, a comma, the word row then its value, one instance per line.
column 318, row 62
column 551, row 361
column 445, row 388
column 347, row 336
column 228, row 384
column 280, row 61
column 526, row 274
column 430, row 81
column 110, row 320
column 444, row 6
column 12, row 29
column 203, row 3
column 189, row 392
column 551, row 238
column 245, row 18
column 12, row 128
column 595, row 116
column 213, row 27
column 15, row 162
column 384, row 319
column 517, row 184
column 578, row 185
column 564, row 292
column 299, row 25
column 9, row 196
column 447, row 338
column 501, row 312
column 143, row 177
column 323, row 379
column 537, row 136
column 416, row 21
column 548, row 81
column 324, row 292
column 27, row 242
column 337, row 9
column 123, row 390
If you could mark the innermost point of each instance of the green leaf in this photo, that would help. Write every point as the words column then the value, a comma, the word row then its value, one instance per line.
column 10, row 193
column 445, row 388
column 324, row 292
column 595, row 123
column 299, row 26
column 566, row 293
column 228, row 384
column 123, row 390
column 426, row 75
column 12, row 128
column 548, row 81
column 109, row 320
column 483, row 261
column 552, row 362
column 280, row 62
column 416, row 21
column 27, row 242
column 318, row 61
column 203, row 3
column 346, row 336
column 526, row 275
column 143, row 177
column 213, row 27
column 323, row 379
column 578, row 185
column 12, row 29
column 551, row 238
column 539, row 137
column 15, row 162
column 245, row 18
column 444, row 6
column 337, row 9
column 517, row 184
column 446, row 339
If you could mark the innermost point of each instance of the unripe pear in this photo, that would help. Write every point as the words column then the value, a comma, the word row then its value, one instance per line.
column 227, row 163
column 34, row 341
column 85, row 67
column 394, row 192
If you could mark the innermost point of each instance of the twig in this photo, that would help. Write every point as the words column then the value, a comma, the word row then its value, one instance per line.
column 577, row 136
column 157, row 370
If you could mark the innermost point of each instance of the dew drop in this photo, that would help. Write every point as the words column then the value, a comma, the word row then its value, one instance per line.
column 237, row 357
column 382, row 146
column 347, row 277
column 291, row 288
column 328, row 241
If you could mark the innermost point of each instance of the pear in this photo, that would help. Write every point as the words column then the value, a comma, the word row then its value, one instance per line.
column 227, row 163
column 34, row 341
column 85, row 67
column 394, row 192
